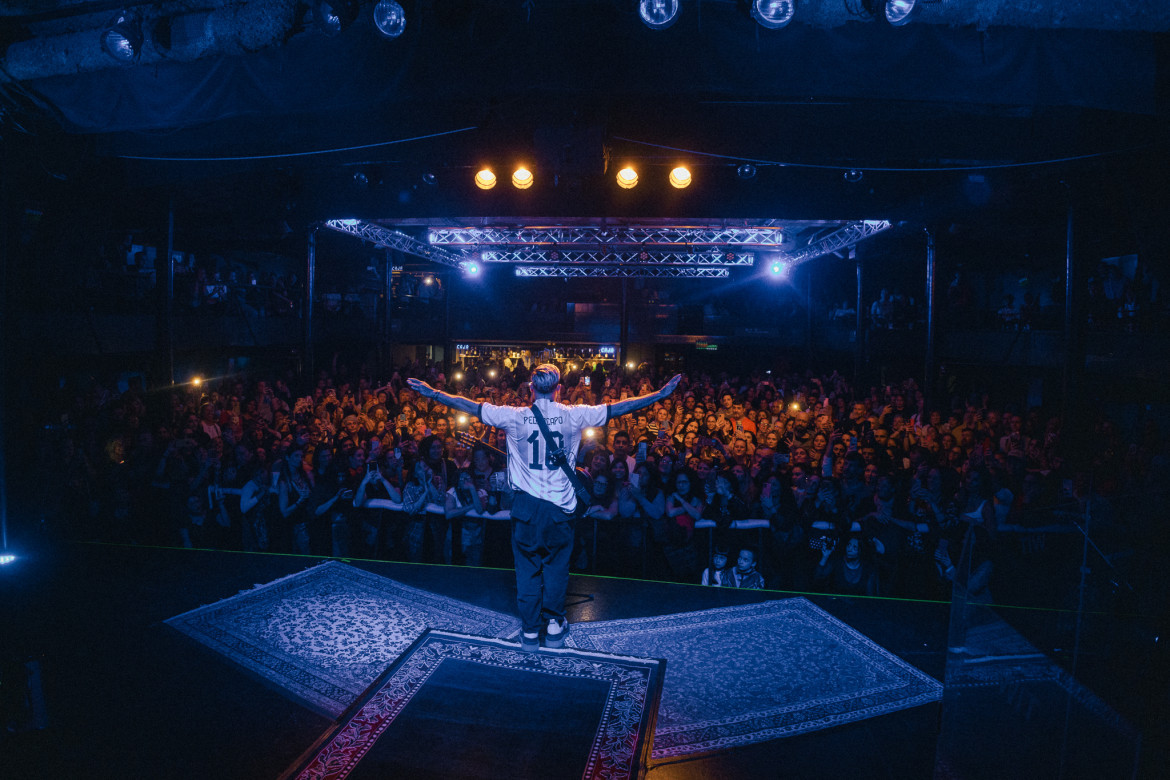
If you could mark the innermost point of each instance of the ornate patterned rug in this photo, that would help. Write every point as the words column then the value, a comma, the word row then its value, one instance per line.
column 455, row 706
column 740, row 675
column 324, row 634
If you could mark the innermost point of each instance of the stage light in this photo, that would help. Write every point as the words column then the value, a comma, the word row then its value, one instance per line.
column 458, row 376
column 853, row 175
column 773, row 14
column 589, row 433
column 658, row 14
column 492, row 374
column 779, row 268
column 333, row 16
column 196, row 381
column 630, row 365
column 794, row 407
column 389, row 18
column 746, row 171
column 627, row 178
column 462, row 420
column 7, row 558
column 430, row 179
column 485, row 179
column 892, row 12
column 122, row 37
column 471, row 269
column 350, row 222
column 522, row 178
column 680, row 178
column 428, row 280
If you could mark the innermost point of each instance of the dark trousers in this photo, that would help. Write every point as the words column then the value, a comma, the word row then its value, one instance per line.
column 542, row 544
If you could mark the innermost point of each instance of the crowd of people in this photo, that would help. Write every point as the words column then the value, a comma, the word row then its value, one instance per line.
column 852, row 490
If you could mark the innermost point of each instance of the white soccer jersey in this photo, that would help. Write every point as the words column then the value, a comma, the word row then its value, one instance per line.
column 529, row 468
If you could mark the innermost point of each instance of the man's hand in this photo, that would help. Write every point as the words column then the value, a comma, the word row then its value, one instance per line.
column 421, row 387
column 670, row 386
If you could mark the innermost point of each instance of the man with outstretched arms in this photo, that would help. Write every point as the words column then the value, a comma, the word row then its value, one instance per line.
column 542, row 512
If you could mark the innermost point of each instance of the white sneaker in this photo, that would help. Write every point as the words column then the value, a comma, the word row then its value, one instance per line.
column 554, row 635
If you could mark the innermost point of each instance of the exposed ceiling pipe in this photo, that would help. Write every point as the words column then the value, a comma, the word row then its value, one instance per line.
column 234, row 28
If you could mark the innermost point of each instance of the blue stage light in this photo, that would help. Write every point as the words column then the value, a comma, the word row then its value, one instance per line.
column 779, row 268
column 7, row 558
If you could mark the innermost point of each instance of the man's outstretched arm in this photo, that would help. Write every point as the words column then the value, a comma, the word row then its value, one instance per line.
column 641, row 402
column 456, row 402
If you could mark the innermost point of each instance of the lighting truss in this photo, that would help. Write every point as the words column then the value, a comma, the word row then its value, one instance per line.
column 622, row 271
column 393, row 239
column 639, row 257
column 595, row 235
column 846, row 236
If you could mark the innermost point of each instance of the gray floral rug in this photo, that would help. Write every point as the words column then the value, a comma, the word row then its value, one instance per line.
column 741, row 675
column 325, row 634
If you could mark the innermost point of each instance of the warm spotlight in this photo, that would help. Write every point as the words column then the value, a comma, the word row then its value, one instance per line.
column 658, row 14
column 389, row 18
column 458, row 376
column 428, row 280
column 627, row 178
column 485, row 179
column 522, row 178
column 122, row 37
column 462, row 420
column 630, row 365
column 794, row 407
column 589, row 433
column 773, row 14
column 196, row 381
column 680, row 178
column 491, row 373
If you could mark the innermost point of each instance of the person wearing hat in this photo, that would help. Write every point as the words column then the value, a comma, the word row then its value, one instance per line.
column 542, row 510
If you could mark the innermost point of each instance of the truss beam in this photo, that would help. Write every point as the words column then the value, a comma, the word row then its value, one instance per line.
column 621, row 272
column 638, row 257
column 393, row 239
column 846, row 236
column 591, row 235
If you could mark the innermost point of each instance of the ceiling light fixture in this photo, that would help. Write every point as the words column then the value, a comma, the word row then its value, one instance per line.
column 334, row 16
column 389, row 18
column 892, row 12
column 122, row 37
column 746, row 171
column 680, row 178
column 485, row 179
column 658, row 14
column 522, row 178
column 773, row 14
column 627, row 178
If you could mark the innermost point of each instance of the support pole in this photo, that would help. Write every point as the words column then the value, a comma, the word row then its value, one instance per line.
column 307, row 316
column 808, row 312
column 1070, row 335
column 928, row 373
column 623, row 348
column 859, row 337
column 6, row 347
column 168, row 287
column 385, row 323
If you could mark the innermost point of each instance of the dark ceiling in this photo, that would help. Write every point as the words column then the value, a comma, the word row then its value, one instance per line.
column 262, row 123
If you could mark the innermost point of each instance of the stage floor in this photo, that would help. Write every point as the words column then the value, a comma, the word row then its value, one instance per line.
column 127, row 696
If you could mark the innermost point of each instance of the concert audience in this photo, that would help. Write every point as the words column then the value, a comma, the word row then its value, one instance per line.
column 865, row 490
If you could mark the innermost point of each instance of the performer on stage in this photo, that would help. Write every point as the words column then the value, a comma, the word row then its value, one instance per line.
column 542, row 511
